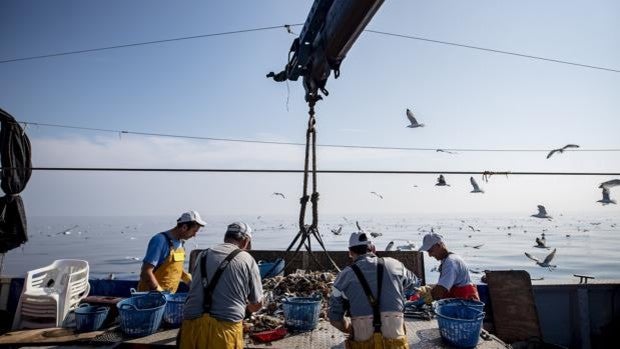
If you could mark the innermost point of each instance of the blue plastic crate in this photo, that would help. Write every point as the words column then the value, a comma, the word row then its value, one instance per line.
column 90, row 318
column 301, row 313
column 141, row 315
column 271, row 269
column 173, row 315
column 459, row 324
column 458, row 302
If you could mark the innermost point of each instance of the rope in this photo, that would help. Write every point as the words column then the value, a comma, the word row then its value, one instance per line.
column 306, row 231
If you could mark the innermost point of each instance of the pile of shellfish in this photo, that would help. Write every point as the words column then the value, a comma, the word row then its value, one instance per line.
column 276, row 289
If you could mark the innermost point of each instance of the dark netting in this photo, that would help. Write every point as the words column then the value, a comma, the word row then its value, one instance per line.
column 16, row 171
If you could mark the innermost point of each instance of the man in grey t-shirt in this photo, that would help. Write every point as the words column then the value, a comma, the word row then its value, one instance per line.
column 219, row 324
column 454, row 280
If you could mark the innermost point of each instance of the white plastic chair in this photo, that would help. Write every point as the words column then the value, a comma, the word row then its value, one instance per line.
column 50, row 292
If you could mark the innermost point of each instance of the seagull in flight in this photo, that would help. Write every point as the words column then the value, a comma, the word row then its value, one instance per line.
column 475, row 185
column 280, row 194
column 606, row 200
column 357, row 224
column 412, row 120
column 477, row 247
column 545, row 263
column 337, row 231
column 541, row 242
column 375, row 235
column 610, row 184
column 561, row 150
column 409, row 246
column 542, row 213
column 377, row 194
column 445, row 151
column 441, row 181
column 472, row 228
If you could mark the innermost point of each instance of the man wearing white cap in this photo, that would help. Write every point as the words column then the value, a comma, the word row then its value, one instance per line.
column 226, row 284
column 373, row 288
column 162, row 267
column 454, row 280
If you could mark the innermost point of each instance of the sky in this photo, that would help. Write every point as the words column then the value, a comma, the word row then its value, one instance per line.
column 216, row 87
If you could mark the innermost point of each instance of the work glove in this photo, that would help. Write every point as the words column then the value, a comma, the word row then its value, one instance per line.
column 186, row 277
column 425, row 293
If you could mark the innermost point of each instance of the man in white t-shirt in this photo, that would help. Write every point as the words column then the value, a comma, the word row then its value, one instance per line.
column 454, row 280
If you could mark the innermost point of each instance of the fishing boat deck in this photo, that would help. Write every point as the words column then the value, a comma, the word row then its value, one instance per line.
column 421, row 334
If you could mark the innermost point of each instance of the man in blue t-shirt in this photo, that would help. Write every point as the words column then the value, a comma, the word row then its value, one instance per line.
column 162, row 266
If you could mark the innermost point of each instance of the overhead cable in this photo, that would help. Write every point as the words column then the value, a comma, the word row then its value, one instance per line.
column 286, row 26
column 302, row 144
column 493, row 50
column 238, row 170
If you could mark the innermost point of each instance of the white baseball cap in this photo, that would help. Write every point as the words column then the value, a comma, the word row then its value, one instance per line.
column 359, row 239
column 429, row 241
column 191, row 216
column 239, row 228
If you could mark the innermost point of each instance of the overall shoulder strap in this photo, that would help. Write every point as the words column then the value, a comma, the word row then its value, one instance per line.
column 208, row 289
column 374, row 302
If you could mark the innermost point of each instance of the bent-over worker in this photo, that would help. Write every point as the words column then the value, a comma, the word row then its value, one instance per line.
column 226, row 283
column 373, row 288
column 454, row 279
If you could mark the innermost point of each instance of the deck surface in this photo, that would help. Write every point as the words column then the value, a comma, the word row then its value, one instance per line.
column 421, row 334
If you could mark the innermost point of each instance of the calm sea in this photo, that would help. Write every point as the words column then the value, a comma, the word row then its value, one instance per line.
column 585, row 244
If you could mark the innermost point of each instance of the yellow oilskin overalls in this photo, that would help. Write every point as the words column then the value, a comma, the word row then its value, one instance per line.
column 395, row 329
column 170, row 272
column 377, row 341
column 377, row 320
column 207, row 332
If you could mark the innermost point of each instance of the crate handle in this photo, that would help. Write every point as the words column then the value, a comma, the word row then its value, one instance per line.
column 126, row 306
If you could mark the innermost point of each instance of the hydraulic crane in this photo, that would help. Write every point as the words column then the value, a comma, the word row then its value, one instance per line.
column 328, row 34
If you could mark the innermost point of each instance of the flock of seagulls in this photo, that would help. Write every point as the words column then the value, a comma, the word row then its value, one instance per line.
column 413, row 123
column 606, row 200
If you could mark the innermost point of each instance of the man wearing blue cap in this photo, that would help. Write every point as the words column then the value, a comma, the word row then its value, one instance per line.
column 454, row 279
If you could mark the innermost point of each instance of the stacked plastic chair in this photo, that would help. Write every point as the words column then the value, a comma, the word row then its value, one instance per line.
column 50, row 293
